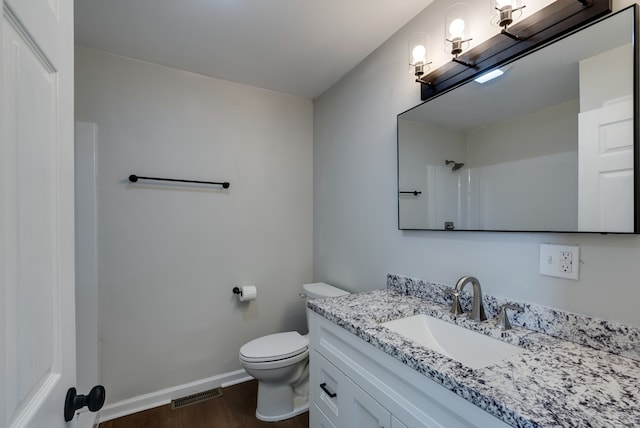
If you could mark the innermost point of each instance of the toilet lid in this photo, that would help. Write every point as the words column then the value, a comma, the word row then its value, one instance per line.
column 274, row 347
column 321, row 290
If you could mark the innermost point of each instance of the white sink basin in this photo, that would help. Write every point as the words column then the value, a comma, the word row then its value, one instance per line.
column 468, row 347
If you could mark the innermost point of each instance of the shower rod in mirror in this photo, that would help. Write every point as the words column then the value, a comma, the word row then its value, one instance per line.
column 134, row 178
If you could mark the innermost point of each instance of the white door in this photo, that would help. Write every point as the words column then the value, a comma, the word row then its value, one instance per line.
column 605, row 168
column 37, row 325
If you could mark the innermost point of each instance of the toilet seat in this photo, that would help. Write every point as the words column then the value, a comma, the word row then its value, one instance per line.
column 274, row 347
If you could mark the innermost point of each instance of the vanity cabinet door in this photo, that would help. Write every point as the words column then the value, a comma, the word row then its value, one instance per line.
column 362, row 411
column 317, row 418
column 339, row 402
column 327, row 388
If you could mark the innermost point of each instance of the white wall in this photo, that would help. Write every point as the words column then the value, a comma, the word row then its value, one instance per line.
column 424, row 151
column 551, row 130
column 614, row 65
column 356, row 241
column 169, row 256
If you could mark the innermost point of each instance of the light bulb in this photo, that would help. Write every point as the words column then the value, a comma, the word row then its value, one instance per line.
column 456, row 28
column 418, row 53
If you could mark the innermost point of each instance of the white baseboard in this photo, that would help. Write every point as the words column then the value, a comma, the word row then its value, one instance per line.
column 164, row 396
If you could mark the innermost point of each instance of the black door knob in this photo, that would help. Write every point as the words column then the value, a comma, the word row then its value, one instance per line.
column 94, row 401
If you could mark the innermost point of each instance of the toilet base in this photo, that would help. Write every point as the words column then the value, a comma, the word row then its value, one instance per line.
column 296, row 411
column 277, row 402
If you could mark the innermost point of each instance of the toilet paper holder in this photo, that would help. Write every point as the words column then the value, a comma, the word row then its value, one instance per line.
column 246, row 293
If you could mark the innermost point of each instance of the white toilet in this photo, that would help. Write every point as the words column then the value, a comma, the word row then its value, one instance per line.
column 280, row 363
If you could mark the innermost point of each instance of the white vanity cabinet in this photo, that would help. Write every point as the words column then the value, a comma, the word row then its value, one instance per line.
column 341, row 402
column 355, row 385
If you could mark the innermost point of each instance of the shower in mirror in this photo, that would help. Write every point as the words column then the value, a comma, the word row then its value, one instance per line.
column 456, row 165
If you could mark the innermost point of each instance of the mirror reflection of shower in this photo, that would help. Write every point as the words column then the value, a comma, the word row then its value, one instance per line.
column 456, row 165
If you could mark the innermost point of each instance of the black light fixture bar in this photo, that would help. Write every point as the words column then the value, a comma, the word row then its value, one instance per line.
column 466, row 64
column 134, row 178
column 508, row 34
column 544, row 26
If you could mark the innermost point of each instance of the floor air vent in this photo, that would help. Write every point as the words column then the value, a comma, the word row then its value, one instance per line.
column 196, row 398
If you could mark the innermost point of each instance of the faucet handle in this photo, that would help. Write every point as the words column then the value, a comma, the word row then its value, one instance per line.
column 456, row 309
column 502, row 320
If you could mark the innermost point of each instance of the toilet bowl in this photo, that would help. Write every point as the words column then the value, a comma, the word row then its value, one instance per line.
column 280, row 363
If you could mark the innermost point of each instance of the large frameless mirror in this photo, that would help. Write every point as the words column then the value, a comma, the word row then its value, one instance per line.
column 549, row 145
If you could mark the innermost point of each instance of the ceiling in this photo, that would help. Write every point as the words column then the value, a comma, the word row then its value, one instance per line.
column 295, row 47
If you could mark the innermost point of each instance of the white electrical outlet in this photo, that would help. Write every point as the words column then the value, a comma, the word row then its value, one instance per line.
column 561, row 261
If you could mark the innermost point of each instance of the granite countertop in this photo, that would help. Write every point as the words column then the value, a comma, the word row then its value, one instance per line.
column 553, row 383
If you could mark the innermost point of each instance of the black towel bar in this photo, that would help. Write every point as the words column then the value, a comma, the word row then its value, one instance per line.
column 133, row 178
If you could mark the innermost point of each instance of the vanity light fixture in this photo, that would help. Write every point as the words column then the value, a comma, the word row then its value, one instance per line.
column 546, row 24
column 456, row 31
column 418, row 55
column 505, row 13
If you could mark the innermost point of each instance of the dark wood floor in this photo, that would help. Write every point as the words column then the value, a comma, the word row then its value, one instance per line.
column 235, row 409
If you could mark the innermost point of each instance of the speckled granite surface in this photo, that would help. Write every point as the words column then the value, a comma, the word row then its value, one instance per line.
column 554, row 383
column 599, row 334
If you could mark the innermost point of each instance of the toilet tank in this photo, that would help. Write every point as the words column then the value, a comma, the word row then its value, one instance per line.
column 320, row 290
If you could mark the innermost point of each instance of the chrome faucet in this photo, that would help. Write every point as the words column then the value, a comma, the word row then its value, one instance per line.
column 502, row 320
column 477, row 308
